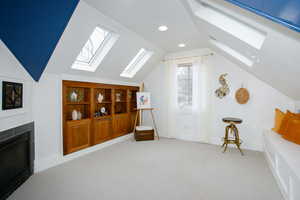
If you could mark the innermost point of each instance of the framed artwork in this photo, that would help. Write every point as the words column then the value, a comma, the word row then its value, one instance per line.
column 143, row 100
column 12, row 95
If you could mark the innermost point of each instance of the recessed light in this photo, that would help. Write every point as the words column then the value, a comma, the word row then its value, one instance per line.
column 181, row 45
column 162, row 28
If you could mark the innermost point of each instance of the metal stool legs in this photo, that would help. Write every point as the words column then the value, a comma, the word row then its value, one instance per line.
column 236, row 140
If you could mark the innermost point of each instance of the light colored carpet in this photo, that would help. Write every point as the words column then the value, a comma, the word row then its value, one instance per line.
column 156, row 170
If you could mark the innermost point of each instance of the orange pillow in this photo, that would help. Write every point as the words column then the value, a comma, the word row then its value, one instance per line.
column 292, row 132
column 279, row 115
column 284, row 122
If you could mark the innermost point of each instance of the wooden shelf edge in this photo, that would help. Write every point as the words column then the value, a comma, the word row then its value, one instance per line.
column 80, row 120
column 79, row 103
column 103, row 117
column 121, row 113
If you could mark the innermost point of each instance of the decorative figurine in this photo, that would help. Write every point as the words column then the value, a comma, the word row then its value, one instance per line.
column 100, row 98
column 118, row 97
column 103, row 111
column 224, row 89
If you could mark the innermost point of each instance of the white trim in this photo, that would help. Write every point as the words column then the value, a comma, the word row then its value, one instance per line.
column 228, row 23
column 275, row 173
column 46, row 163
column 237, row 55
column 96, row 80
column 282, row 170
column 136, row 63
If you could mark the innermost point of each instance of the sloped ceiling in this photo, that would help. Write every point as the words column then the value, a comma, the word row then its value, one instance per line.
column 81, row 25
column 276, row 63
column 31, row 30
column 136, row 21
column 144, row 17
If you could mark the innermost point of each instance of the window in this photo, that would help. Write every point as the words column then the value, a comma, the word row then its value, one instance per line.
column 185, row 85
column 95, row 49
column 232, row 52
column 136, row 63
column 230, row 24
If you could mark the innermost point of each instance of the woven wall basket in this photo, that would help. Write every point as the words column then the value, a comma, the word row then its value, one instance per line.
column 242, row 96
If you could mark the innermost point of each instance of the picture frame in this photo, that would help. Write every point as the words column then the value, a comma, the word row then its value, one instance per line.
column 12, row 95
column 143, row 100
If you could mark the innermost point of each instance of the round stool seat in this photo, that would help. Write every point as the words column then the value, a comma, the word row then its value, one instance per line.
column 232, row 120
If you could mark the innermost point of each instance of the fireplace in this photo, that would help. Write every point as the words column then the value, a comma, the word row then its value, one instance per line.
column 16, row 158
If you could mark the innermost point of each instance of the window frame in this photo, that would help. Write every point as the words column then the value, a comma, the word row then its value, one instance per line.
column 137, row 63
column 101, row 52
column 188, row 104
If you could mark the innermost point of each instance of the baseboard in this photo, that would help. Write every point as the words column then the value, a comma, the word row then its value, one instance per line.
column 52, row 161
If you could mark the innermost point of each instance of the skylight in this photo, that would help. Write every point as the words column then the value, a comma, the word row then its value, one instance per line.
column 136, row 63
column 232, row 52
column 95, row 49
column 231, row 25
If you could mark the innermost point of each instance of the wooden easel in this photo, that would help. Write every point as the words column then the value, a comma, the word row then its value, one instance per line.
column 139, row 113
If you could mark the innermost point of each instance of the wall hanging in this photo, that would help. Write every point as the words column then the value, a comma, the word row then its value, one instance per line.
column 12, row 95
column 224, row 89
column 242, row 95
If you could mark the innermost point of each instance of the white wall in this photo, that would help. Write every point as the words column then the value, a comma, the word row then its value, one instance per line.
column 257, row 114
column 47, row 99
column 47, row 112
column 12, row 70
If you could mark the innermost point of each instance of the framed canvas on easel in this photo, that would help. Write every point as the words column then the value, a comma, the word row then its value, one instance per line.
column 143, row 100
column 142, row 133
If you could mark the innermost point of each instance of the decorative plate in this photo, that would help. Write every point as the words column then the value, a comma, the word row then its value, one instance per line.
column 242, row 96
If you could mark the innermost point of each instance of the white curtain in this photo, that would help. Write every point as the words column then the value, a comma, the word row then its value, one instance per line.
column 190, row 123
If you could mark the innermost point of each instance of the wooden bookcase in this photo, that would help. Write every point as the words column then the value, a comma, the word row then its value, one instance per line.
column 106, row 112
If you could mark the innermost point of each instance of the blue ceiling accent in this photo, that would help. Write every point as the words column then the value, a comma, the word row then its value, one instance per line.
column 285, row 12
column 31, row 29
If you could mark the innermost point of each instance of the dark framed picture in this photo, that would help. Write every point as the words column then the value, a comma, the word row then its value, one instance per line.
column 12, row 95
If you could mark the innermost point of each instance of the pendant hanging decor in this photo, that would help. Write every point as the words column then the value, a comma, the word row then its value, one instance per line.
column 224, row 89
column 242, row 95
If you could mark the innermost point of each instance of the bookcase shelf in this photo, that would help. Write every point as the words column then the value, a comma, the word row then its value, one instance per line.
column 78, row 103
column 106, row 113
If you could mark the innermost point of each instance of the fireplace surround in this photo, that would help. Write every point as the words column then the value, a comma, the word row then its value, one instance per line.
column 16, row 158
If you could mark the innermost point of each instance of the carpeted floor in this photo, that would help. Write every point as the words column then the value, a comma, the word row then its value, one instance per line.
column 156, row 170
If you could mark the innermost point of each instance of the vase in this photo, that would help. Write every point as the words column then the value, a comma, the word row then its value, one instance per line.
column 73, row 96
column 74, row 115
column 79, row 115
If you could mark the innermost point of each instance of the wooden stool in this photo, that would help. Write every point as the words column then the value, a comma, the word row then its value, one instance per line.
column 143, row 133
column 233, row 130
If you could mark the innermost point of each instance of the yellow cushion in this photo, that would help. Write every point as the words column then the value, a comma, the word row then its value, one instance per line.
column 279, row 115
column 284, row 123
column 292, row 132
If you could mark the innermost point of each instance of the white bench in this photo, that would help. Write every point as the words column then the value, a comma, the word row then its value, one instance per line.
column 284, row 160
